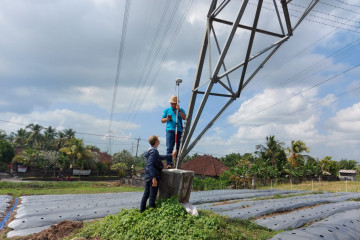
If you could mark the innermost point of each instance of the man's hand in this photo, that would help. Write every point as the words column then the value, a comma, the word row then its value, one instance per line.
column 174, row 153
column 154, row 182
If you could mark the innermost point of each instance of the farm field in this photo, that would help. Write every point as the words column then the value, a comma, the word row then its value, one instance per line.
column 241, row 213
column 333, row 186
column 17, row 189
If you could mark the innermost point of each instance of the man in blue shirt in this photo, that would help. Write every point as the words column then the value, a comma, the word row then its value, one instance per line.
column 169, row 117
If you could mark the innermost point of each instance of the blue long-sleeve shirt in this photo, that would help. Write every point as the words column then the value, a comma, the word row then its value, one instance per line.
column 153, row 162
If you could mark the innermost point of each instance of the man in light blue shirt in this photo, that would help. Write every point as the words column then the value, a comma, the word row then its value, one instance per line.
column 169, row 117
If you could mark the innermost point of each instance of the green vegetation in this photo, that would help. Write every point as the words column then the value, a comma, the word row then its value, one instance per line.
column 47, row 152
column 18, row 189
column 170, row 221
column 6, row 153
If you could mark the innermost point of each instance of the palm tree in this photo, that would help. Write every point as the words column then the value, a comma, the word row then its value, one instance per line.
column 75, row 150
column 49, row 137
column 2, row 134
column 271, row 151
column 294, row 151
column 69, row 133
column 21, row 137
column 60, row 140
column 35, row 134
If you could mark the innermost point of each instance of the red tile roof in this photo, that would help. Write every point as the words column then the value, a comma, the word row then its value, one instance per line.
column 105, row 158
column 18, row 150
column 205, row 165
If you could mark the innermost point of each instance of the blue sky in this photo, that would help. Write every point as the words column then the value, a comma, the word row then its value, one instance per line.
column 58, row 62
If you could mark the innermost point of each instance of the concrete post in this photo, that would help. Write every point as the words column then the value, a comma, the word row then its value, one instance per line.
column 176, row 182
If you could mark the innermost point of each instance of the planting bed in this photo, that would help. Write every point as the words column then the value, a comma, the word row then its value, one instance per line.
column 36, row 213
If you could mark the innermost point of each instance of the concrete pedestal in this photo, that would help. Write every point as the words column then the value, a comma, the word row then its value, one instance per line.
column 176, row 182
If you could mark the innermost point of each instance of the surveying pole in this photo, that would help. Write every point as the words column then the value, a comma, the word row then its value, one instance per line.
column 178, row 81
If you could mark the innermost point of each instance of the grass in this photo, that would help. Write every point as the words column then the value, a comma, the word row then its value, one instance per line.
column 170, row 221
column 18, row 189
column 315, row 186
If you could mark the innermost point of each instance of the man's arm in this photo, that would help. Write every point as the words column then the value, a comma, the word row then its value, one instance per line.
column 165, row 118
column 182, row 114
column 165, row 157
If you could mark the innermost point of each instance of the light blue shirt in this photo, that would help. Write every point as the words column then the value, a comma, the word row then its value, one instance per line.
column 170, row 125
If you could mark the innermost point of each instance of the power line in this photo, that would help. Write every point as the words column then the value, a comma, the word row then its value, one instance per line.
column 325, row 13
column 287, row 99
column 311, row 20
column 351, row 5
column 316, row 68
column 328, row 19
column 118, row 70
column 313, row 105
column 152, row 48
column 310, row 68
column 163, row 58
column 331, row 5
column 150, row 69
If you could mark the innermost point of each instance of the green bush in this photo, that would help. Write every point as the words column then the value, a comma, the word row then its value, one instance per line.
column 168, row 221
column 208, row 183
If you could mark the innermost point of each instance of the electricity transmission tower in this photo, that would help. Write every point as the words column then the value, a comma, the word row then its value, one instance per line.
column 235, row 49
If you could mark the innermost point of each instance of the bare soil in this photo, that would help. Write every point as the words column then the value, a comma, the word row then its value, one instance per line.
column 57, row 231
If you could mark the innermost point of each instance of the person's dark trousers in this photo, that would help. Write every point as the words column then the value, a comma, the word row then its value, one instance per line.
column 170, row 143
column 149, row 193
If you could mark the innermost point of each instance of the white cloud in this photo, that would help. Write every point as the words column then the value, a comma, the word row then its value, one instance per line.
column 126, row 97
column 346, row 122
column 110, row 3
column 197, row 14
column 274, row 104
column 63, row 119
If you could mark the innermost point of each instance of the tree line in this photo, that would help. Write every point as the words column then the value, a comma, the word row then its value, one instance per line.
column 49, row 150
column 275, row 162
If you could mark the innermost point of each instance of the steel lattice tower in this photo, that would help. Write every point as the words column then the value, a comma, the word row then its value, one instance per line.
column 228, row 82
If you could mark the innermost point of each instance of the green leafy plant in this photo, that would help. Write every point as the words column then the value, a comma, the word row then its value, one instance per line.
column 170, row 221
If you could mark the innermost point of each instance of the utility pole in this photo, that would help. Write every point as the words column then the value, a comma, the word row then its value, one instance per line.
column 236, row 48
column 137, row 146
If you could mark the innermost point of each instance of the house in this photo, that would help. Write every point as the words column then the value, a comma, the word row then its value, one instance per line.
column 105, row 158
column 205, row 166
column 349, row 175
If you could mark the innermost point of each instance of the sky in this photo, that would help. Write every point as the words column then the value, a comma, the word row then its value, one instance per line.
column 61, row 60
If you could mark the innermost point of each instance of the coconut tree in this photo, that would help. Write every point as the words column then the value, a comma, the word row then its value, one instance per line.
column 69, row 133
column 347, row 164
column 21, row 137
column 35, row 136
column 49, row 137
column 271, row 151
column 295, row 156
column 60, row 141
